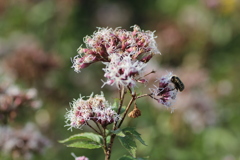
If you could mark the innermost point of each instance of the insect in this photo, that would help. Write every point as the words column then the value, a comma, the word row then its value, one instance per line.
column 178, row 83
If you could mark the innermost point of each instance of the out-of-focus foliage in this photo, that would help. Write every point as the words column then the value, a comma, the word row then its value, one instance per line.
column 199, row 41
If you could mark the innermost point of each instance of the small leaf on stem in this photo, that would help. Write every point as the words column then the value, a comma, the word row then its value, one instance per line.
column 84, row 144
column 129, row 144
column 87, row 136
column 134, row 133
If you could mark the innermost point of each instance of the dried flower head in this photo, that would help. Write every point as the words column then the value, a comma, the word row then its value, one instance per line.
column 135, row 112
column 105, row 42
column 165, row 93
column 95, row 108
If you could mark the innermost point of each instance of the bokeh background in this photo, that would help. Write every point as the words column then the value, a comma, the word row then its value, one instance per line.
column 199, row 41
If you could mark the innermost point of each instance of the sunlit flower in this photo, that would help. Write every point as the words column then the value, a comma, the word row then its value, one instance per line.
column 105, row 42
column 95, row 108
column 165, row 93
column 123, row 71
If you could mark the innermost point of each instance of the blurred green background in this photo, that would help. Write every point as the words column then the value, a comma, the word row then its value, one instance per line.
column 199, row 41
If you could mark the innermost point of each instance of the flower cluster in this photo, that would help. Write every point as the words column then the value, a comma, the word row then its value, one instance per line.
column 105, row 42
column 123, row 71
column 31, row 63
column 125, row 54
column 79, row 158
column 13, row 99
column 165, row 93
column 94, row 108
column 22, row 142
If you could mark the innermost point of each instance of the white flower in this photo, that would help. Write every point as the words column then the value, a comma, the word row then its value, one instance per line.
column 94, row 108
column 165, row 93
column 123, row 71
column 105, row 42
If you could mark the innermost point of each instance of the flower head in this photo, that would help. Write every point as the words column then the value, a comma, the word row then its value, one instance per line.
column 23, row 142
column 123, row 71
column 165, row 93
column 79, row 158
column 94, row 108
column 105, row 42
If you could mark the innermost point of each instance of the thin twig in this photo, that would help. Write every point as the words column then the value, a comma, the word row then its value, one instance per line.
column 93, row 128
column 128, row 107
column 121, row 95
column 143, row 95
column 98, row 127
column 149, row 73
column 105, row 142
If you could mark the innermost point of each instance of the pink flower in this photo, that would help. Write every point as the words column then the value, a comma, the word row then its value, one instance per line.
column 95, row 108
column 105, row 42
column 79, row 158
column 165, row 93
column 123, row 71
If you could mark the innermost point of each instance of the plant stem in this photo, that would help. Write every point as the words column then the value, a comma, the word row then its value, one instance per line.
column 144, row 95
column 109, row 148
column 104, row 142
column 127, row 109
column 93, row 128
column 98, row 127
column 115, row 126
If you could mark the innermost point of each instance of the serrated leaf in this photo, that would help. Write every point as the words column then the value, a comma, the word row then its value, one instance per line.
column 133, row 132
column 87, row 136
column 129, row 144
column 84, row 144
column 119, row 132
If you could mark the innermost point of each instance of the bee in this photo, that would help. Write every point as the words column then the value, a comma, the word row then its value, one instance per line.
column 178, row 83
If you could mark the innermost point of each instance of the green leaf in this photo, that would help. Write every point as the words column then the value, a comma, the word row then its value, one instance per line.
column 84, row 144
column 117, row 131
column 108, row 139
column 129, row 144
column 134, row 133
column 87, row 136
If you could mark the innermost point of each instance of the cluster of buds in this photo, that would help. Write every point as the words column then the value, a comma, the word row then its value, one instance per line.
column 123, row 52
column 95, row 108
column 22, row 142
column 166, row 92
column 13, row 98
